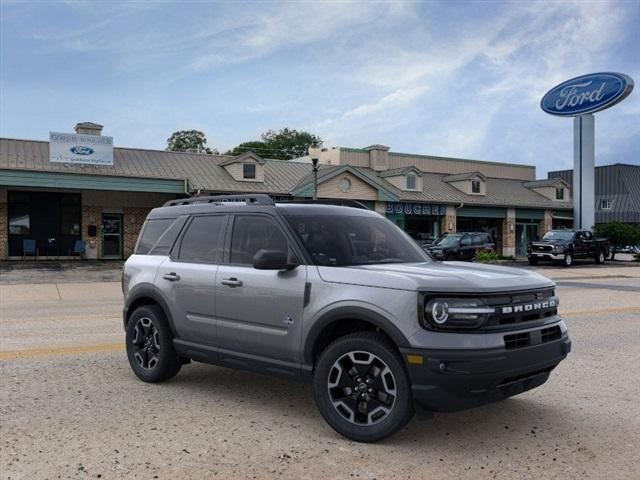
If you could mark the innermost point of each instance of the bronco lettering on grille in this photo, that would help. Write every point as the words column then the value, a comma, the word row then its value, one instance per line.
column 529, row 307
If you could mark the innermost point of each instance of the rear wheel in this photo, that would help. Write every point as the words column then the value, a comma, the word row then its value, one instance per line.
column 150, row 345
column 362, row 388
column 567, row 261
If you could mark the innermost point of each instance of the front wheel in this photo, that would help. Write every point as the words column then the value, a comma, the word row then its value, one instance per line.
column 150, row 345
column 600, row 257
column 362, row 388
column 568, row 260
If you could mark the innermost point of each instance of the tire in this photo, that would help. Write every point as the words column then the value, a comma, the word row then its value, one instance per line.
column 568, row 260
column 600, row 257
column 152, row 356
column 532, row 260
column 380, row 384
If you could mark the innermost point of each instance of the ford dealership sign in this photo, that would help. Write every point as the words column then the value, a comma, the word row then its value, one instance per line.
column 587, row 94
column 80, row 149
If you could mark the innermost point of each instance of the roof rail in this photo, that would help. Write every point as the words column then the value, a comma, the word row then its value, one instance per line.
column 259, row 199
column 337, row 202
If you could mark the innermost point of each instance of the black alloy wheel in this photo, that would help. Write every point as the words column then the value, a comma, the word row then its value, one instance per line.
column 149, row 342
column 362, row 387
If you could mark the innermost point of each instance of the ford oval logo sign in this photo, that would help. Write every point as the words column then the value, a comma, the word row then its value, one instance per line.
column 587, row 94
column 79, row 150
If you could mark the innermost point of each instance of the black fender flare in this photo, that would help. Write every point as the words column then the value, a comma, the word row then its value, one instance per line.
column 350, row 313
column 147, row 290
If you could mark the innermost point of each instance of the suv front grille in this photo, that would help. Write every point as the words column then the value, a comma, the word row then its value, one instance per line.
column 542, row 248
column 536, row 337
column 532, row 304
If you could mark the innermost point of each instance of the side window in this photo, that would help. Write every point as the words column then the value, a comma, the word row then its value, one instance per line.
column 203, row 240
column 579, row 236
column 588, row 236
column 478, row 239
column 150, row 234
column 253, row 233
column 465, row 241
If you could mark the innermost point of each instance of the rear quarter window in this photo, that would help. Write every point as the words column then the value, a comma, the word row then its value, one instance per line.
column 151, row 233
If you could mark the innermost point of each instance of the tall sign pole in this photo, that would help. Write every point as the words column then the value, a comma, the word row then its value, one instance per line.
column 580, row 97
column 583, row 171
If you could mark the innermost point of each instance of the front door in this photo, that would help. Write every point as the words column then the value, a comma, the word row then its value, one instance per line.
column 112, row 235
column 259, row 312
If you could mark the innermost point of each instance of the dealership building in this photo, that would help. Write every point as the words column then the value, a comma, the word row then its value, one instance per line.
column 79, row 188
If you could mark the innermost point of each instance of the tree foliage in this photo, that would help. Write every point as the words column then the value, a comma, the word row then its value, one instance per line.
column 283, row 144
column 619, row 234
column 188, row 141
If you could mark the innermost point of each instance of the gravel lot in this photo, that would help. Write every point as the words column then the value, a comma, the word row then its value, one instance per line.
column 71, row 408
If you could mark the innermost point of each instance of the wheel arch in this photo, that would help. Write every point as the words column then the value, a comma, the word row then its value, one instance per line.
column 147, row 295
column 344, row 320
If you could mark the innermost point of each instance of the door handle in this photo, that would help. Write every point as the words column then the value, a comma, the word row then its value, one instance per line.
column 172, row 277
column 232, row 282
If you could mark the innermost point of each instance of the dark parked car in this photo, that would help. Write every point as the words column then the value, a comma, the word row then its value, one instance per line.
column 461, row 246
column 566, row 245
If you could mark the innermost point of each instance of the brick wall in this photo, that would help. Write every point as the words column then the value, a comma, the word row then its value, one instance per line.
column 545, row 224
column 133, row 218
column 4, row 228
column 448, row 222
column 92, row 215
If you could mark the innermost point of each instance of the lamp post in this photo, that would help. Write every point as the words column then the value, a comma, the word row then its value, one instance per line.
column 314, row 153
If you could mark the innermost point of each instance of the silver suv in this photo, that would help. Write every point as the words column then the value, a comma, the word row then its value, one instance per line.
column 337, row 296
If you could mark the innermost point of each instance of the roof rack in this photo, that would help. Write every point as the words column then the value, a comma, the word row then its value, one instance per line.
column 337, row 202
column 259, row 199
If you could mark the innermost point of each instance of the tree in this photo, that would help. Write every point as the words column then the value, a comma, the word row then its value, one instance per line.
column 619, row 234
column 284, row 144
column 257, row 147
column 188, row 141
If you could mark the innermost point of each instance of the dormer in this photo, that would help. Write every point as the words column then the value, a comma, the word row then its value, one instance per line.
column 408, row 179
column 554, row 189
column 247, row 167
column 473, row 183
column 378, row 157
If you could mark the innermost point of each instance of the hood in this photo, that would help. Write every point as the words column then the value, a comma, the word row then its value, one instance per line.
column 437, row 277
column 550, row 242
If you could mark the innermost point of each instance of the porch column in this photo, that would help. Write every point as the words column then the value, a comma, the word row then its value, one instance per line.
column 509, row 234
column 448, row 222
column 545, row 224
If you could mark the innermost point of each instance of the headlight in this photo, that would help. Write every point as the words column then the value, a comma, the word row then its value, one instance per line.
column 456, row 313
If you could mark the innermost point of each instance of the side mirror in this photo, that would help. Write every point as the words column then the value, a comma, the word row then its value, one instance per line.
column 272, row 260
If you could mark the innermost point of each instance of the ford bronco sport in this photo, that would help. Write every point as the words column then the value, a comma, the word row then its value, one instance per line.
column 337, row 296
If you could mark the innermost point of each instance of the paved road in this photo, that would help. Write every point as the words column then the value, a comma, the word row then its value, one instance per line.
column 70, row 408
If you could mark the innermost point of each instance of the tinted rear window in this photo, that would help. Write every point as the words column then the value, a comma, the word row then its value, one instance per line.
column 151, row 233
column 203, row 240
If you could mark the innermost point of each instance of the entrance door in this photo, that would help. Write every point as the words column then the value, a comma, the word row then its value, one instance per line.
column 112, row 235
column 525, row 233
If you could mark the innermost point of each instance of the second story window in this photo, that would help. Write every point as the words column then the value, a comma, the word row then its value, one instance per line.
column 411, row 182
column 559, row 193
column 249, row 171
column 475, row 186
column 605, row 204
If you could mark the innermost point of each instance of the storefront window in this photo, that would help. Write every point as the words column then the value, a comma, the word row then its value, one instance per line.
column 19, row 220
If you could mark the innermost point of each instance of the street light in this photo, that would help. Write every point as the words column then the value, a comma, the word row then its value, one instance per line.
column 314, row 153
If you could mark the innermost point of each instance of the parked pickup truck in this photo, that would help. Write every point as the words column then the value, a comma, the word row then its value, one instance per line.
column 566, row 245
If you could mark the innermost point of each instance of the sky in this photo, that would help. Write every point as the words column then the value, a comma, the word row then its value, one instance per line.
column 451, row 78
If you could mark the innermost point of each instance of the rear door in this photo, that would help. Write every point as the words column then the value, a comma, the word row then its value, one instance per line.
column 259, row 312
column 467, row 250
column 187, row 277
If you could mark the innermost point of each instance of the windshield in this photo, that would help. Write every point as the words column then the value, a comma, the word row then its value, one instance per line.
column 558, row 235
column 345, row 240
column 447, row 241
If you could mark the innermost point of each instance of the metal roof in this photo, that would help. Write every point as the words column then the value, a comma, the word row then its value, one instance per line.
column 463, row 176
column 205, row 172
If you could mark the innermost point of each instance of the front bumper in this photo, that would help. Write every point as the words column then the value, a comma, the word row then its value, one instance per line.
column 546, row 255
column 450, row 380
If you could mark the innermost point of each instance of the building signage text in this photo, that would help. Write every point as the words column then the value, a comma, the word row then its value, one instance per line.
column 80, row 149
column 416, row 208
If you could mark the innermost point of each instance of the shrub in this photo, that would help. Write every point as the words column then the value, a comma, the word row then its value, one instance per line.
column 619, row 234
column 485, row 257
